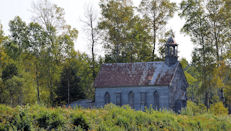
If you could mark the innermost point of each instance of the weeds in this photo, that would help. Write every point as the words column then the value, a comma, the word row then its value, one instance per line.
column 111, row 118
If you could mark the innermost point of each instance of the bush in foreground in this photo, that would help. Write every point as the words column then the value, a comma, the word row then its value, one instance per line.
column 110, row 117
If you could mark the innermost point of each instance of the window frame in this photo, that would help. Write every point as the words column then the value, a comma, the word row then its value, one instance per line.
column 118, row 96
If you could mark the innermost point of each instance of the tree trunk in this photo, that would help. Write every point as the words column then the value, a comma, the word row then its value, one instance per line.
column 207, row 99
column 154, row 38
column 68, row 91
column 37, row 84
column 92, row 48
column 216, row 43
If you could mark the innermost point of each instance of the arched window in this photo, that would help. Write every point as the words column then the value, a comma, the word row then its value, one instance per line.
column 107, row 98
column 156, row 100
column 131, row 99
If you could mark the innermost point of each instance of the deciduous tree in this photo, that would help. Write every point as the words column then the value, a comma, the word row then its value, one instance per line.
column 157, row 13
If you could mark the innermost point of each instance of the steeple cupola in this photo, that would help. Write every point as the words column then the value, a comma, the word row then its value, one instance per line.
column 171, row 48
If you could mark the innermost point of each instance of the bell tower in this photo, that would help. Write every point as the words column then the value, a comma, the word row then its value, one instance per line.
column 171, row 48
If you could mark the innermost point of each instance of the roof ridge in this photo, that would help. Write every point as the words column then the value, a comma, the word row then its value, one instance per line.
column 137, row 62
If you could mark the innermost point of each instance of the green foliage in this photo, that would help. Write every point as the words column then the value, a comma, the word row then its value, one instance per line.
column 126, row 35
column 194, row 109
column 156, row 13
column 83, row 65
column 206, row 24
column 110, row 117
column 69, row 83
column 22, row 119
column 218, row 109
column 50, row 119
column 80, row 121
column 9, row 71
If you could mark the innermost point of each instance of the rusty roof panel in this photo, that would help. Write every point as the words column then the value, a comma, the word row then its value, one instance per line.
column 134, row 74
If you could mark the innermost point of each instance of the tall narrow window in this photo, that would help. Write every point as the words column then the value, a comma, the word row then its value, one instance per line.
column 142, row 100
column 131, row 99
column 156, row 100
column 118, row 99
column 107, row 98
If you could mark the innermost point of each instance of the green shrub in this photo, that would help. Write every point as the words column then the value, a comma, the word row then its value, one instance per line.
column 44, row 119
column 122, row 122
column 4, row 127
column 111, row 118
column 21, row 119
column 50, row 120
column 80, row 120
column 218, row 109
column 193, row 109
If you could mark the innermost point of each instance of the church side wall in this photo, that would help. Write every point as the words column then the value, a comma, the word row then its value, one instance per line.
column 177, row 90
column 124, row 91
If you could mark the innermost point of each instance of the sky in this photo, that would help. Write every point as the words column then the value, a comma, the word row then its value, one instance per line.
column 74, row 10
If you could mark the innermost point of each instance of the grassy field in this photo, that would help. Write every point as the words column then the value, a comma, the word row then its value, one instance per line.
column 108, row 118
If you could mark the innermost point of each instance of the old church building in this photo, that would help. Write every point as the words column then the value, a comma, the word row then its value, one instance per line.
column 160, row 84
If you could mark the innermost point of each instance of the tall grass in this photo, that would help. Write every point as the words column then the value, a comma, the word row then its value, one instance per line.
column 108, row 118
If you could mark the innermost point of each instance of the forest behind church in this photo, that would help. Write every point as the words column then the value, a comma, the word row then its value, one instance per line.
column 38, row 63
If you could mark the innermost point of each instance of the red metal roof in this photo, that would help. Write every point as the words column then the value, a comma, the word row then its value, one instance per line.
column 135, row 74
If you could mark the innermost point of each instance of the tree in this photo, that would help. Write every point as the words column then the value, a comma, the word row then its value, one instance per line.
column 219, row 31
column 36, row 37
column 207, row 25
column 90, row 26
column 49, row 15
column 69, row 89
column 114, row 23
column 221, row 79
column 156, row 12
column 59, row 44
column 12, row 85
column 196, row 26
column 14, row 89
column 191, row 75
column 3, row 55
column 18, row 41
column 10, row 71
column 219, row 36
column 125, row 35
column 83, row 64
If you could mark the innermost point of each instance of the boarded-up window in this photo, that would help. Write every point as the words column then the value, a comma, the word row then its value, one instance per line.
column 131, row 99
column 107, row 98
column 118, row 99
column 156, row 100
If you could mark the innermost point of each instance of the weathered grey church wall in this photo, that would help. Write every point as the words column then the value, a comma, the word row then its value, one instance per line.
column 177, row 89
column 163, row 92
